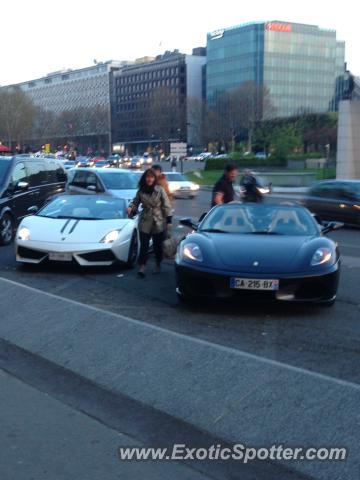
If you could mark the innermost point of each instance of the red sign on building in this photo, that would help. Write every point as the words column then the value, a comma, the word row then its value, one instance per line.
column 278, row 27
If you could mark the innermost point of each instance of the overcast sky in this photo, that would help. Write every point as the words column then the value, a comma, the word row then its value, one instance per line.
column 41, row 36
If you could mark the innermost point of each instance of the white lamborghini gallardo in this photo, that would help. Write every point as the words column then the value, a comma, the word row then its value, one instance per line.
column 86, row 229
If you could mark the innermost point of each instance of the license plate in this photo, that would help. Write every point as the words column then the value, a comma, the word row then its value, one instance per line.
column 60, row 257
column 253, row 284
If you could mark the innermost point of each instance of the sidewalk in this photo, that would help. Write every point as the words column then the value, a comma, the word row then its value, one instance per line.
column 43, row 439
column 234, row 395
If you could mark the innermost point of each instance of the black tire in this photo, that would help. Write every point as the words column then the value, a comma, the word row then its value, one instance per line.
column 7, row 227
column 133, row 251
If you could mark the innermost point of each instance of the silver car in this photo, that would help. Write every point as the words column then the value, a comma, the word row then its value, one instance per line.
column 104, row 181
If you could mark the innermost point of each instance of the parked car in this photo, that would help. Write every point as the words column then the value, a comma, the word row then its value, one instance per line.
column 68, row 164
column 101, row 164
column 104, row 181
column 201, row 157
column 136, row 162
column 26, row 182
column 84, row 229
column 259, row 251
column 147, row 159
column 82, row 161
column 180, row 186
column 335, row 200
column 114, row 160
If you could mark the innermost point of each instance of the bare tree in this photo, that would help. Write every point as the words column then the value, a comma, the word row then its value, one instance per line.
column 17, row 113
column 237, row 111
column 166, row 115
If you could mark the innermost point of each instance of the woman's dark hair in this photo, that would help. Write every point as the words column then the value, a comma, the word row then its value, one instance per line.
column 142, row 182
column 230, row 167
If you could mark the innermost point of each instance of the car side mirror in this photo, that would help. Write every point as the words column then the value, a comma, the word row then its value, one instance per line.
column 22, row 185
column 331, row 226
column 189, row 223
column 32, row 210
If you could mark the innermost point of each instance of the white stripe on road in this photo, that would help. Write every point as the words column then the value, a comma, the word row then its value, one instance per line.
column 275, row 363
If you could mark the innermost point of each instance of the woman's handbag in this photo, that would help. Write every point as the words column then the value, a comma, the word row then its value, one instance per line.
column 169, row 247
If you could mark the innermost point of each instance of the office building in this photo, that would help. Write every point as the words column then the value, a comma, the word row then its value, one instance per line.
column 74, row 106
column 156, row 101
column 298, row 64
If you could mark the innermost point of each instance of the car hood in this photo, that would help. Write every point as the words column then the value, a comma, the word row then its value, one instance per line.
column 259, row 253
column 126, row 194
column 70, row 231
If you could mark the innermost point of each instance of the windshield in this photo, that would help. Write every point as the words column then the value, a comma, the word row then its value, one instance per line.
column 4, row 168
column 85, row 207
column 176, row 177
column 259, row 219
column 119, row 180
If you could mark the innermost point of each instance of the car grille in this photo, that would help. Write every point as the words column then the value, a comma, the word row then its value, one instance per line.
column 30, row 253
column 100, row 256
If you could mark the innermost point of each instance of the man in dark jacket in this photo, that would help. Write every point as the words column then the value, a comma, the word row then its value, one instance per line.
column 250, row 187
column 223, row 191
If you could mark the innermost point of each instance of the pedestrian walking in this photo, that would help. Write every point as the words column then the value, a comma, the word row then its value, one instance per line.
column 223, row 191
column 154, row 220
column 173, row 164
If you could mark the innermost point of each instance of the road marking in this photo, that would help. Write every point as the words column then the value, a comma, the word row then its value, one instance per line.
column 252, row 356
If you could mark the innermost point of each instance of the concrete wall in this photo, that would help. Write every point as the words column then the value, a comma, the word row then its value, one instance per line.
column 348, row 153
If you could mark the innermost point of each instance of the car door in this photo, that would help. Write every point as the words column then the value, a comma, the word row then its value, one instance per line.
column 19, row 193
column 318, row 199
column 85, row 182
column 56, row 179
column 37, row 181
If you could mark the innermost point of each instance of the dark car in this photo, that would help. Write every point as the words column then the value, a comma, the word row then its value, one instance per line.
column 26, row 182
column 335, row 200
column 135, row 162
column 258, row 251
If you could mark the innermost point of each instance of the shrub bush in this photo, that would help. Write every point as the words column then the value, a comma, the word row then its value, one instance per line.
column 244, row 162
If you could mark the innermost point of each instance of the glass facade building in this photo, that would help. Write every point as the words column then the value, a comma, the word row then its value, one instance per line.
column 298, row 64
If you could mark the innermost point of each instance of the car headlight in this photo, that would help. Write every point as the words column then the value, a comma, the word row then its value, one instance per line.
column 111, row 236
column 24, row 234
column 321, row 256
column 192, row 251
column 173, row 187
column 194, row 186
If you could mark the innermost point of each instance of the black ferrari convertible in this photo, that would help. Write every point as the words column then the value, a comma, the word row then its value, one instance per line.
column 275, row 252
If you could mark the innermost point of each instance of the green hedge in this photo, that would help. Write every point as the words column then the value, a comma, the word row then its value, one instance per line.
column 306, row 156
column 243, row 162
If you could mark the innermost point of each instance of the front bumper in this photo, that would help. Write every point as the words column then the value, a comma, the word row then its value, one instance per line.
column 87, row 255
column 185, row 193
column 316, row 287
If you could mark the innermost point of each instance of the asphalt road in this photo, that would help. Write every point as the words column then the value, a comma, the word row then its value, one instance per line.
column 324, row 340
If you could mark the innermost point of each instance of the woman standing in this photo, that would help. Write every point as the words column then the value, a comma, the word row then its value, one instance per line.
column 154, row 218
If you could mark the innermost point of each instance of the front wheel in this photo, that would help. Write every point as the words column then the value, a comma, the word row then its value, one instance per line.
column 133, row 251
column 6, row 229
